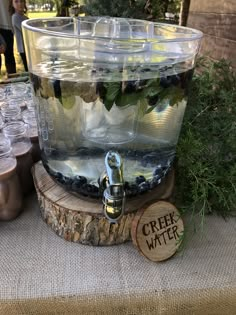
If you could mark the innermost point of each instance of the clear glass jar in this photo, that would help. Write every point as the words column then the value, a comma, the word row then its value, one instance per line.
column 11, row 113
column 10, row 190
column 105, row 85
column 16, row 132
column 19, row 88
column 17, row 100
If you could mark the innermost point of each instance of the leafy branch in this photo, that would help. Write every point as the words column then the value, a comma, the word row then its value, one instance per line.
column 206, row 153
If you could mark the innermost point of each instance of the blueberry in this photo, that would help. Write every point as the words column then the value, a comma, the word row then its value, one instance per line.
column 90, row 189
column 175, row 79
column 57, row 88
column 140, row 179
column 165, row 82
column 68, row 181
column 145, row 70
column 154, row 182
column 152, row 100
column 58, row 176
column 80, row 180
column 140, row 84
column 132, row 190
column 130, row 87
column 144, row 187
column 126, row 185
column 158, row 172
column 75, row 186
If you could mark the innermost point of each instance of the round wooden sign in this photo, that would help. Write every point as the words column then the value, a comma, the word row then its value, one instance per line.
column 157, row 231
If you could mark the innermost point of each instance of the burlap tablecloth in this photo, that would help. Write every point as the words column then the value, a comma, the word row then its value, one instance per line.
column 41, row 273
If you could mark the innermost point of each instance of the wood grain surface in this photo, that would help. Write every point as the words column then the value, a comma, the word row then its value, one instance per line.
column 157, row 231
column 82, row 220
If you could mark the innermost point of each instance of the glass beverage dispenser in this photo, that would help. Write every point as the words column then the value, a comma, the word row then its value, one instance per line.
column 111, row 95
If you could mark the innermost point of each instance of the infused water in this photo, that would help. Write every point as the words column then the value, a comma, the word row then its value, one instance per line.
column 86, row 111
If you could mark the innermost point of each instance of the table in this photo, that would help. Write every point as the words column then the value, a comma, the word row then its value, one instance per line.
column 40, row 273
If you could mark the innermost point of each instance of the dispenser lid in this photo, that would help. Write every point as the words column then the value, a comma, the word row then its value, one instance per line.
column 157, row 231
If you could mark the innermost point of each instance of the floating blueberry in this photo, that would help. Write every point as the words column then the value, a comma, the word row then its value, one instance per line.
column 140, row 84
column 140, row 179
column 130, row 87
column 158, row 172
column 175, row 79
column 165, row 82
column 152, row 100
column 57, row 88
column 145, row 70
column 126, row 185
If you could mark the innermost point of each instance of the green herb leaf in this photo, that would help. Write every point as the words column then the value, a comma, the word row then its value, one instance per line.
column 149, row 110
column 143, row 105
column 127, row 99
column 113, row 90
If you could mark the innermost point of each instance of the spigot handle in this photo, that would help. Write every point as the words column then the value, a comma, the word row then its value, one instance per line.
column 114, row 165
column 114, row 194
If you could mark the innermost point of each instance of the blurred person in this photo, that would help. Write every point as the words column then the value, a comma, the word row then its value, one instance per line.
column 7, row 34
column 2, row 49
column 17, row 9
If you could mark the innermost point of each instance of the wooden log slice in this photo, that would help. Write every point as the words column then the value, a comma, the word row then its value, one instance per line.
column 82, row 221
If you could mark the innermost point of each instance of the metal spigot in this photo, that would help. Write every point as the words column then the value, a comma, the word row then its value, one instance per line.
column 114, row 194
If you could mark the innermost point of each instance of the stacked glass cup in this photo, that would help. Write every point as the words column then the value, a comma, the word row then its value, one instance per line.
column 19, row 126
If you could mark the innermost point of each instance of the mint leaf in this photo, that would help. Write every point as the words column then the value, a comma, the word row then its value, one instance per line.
column 127, row 99
column 112, row 91
column 150, row 109
column 143, row 105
